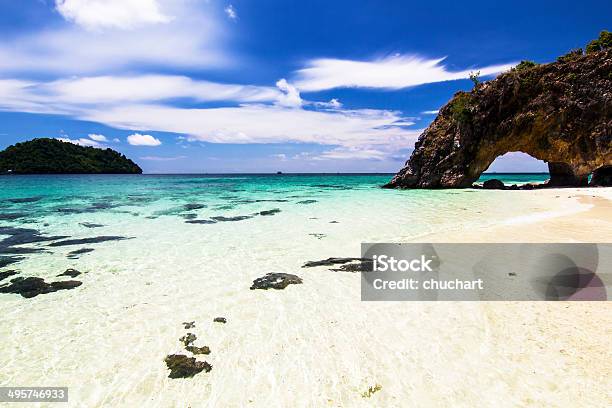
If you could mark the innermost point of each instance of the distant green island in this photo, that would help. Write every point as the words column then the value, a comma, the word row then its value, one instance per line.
column 51, row 156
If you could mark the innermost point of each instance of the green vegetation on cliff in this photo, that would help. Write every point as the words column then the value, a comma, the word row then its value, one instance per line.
column 51, row 156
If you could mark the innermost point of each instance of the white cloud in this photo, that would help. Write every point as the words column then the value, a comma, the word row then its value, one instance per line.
column 280, row 156
column 394, row 72
column 138, row 139
column 192, row 39
column 96, row 14
column 263, row 124
column 97, row 138
column 290, row 96
column 231, row 12
column 332, row 104
column 430, row 112
column 102, row 90
column 162, row 158
column 80, row 142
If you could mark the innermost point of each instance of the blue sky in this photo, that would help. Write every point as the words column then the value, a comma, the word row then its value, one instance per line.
column 261, row 86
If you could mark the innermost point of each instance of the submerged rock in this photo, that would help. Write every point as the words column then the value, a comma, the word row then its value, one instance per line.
column 31, row 286
column 75, row 254
column 276, row 281
column 201, row 222
column 307, row 202
column 73, row 273
column 181, row 366
column 193, row 206
column 6, row 274
column 270, row 212
column 198, row 350
column 332, row 262
column 9, row 260
column 25, row 200
column 235, row 218
column 558, row 112
column 90, row 225
column 93, row 240
column 220, row 320
column 188, row 339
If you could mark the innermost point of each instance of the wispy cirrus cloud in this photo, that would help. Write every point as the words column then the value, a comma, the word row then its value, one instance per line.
column 142, row 88
column 394, row 72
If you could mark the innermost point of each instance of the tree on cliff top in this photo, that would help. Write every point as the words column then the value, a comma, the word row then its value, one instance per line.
column 603, row 42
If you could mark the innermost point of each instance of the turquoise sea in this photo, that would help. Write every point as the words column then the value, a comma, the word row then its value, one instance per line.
column 149, row 252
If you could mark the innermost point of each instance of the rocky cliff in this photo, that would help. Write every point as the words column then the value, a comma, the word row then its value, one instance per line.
column 559, row 112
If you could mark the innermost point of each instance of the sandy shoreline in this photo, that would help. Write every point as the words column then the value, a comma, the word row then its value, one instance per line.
column 585, row 215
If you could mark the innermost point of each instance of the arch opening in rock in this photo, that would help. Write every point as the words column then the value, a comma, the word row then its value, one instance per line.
column 517, row 162
column 560, row 113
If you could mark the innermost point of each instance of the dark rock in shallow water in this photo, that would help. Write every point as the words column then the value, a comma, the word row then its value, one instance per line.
column 11, row 216
column 198, row 350
column 193, row 206
column 181, row 366
column 73, row 273
column 21, row 236
column 189, row 325
column 365, row 265
column 90, row 225
column 6, row 274
column 201, row 222
column 307, row 202
column 270, row 212
column 93, row 240
column 25, row 200
column 220, row 320
column 189, row 216
column 188, row 339
column 332, row 262
column 9, row 260
column 236, row 218
column 493, row 184
column 32, row 286
column 318, row 236
column 275, row 281
column 102, row 206
column 75, row 254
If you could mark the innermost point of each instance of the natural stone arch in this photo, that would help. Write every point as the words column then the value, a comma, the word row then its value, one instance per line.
column 560, row 113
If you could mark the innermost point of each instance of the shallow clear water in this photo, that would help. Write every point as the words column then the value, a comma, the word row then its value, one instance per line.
column 107, row 338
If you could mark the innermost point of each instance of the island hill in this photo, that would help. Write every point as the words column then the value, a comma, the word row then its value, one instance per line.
column 559, row 112
column 51, row 156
